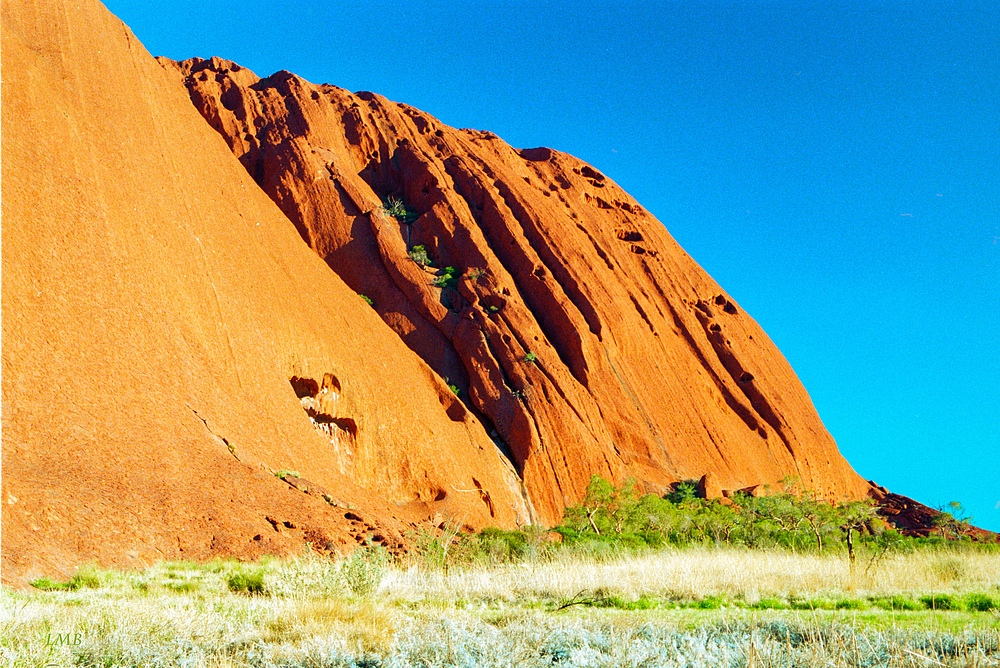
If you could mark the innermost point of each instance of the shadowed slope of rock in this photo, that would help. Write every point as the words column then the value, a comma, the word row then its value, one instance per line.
column 169, row 341
column 577, row 328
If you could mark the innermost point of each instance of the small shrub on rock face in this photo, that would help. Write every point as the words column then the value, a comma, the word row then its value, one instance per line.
column 448, row 278
column 393, row 206
column 419, row 255
column 530, row 357
column 364, row 569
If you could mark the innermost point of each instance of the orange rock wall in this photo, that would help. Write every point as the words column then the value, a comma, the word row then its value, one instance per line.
column 157, row 306
column 579, row 330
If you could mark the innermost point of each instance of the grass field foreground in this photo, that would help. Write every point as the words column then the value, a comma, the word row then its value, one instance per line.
column 688, row 607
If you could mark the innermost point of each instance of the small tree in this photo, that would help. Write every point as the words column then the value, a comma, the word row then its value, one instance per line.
column 951, row 522
column 854, row 517
column 820, row 517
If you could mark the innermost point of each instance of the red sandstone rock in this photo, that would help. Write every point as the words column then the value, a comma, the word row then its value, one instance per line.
column 157, row 306
column 709, row 487
column 169, row 341
column 578, row 328
column 912, row 518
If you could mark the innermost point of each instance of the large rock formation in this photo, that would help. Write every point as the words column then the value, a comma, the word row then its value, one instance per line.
column 169, row 341
column 572, row 324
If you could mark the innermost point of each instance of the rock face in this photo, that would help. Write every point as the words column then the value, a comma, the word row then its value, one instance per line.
column 169, row 341
column 170, row 344
column 568, row 319
column 912, row 518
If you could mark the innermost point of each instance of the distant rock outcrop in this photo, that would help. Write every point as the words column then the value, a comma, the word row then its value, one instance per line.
column 563, row 312
column 912, row 518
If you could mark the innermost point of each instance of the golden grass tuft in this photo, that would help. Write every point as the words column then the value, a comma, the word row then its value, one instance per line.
column 365, row 626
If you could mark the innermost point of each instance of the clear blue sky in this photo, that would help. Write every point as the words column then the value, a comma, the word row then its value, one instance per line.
column 836, row 168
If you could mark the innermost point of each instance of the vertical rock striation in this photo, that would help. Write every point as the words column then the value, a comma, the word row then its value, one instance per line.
column 573, row 326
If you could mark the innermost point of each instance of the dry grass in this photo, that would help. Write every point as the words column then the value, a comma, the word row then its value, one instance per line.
column 184, row 614
column 694, row 574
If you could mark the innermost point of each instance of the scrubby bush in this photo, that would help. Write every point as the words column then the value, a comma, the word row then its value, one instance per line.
column 940, row 602
column 981, row 603
column 364, row 569
column 446, row 278
column 85, row 577
column 419, row 255
column 800, row 522
column 396, row 208
column 246, row 580
column 896, row 603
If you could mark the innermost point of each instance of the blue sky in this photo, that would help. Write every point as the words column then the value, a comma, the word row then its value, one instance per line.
column 836, row 168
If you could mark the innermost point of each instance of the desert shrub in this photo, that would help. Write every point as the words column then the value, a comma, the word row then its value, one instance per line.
column 981, row 603
column 284, row 473
column 683, row 492
column 85, row 577
column 896, row 603
column 48, row 584
column 446, row 278
column 367, row 299
column 709, row 603
column 849, row 604
column 798, row 522
column 364, row 569
column 940, row 602
column 246, row 580
column 419, row 255
column 396, row 208
column 530, row 357
column 183, row 587
column 949, row 569
column 504, row 546
column 770, row 604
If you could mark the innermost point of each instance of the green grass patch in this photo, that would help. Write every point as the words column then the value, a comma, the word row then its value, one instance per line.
column 709, row 603
column 981, row 603
column 941, row 602
column 770, row 604
column 246, row 581
column 898, row 602
column 86, row 577
column 850, row 604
